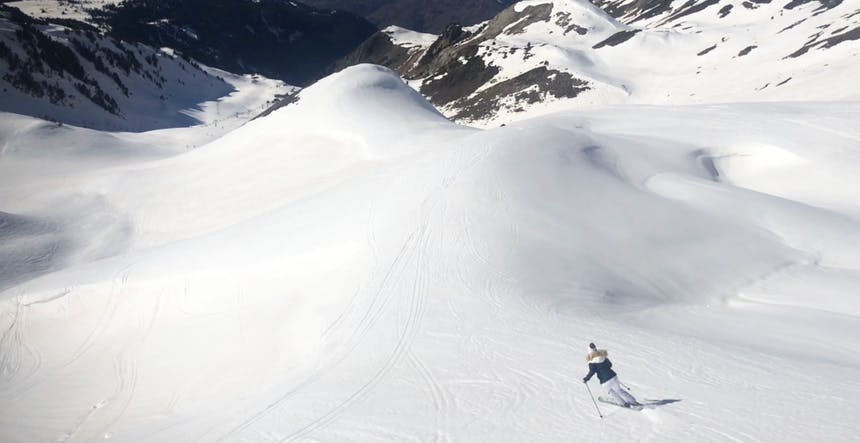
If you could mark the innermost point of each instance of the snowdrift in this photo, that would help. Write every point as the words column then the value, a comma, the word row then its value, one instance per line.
column 353, row 267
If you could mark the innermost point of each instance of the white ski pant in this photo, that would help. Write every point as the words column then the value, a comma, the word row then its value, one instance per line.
column 613, row 387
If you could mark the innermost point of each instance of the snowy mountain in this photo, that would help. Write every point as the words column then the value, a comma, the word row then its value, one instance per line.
column 79, row 76
column 351, row 265
column 278, row 39
column 275, row 38
column 550, row 55
column 420, row 15
column 355, row 267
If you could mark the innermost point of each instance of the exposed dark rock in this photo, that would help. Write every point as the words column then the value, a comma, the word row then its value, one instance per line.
column 458, row 79
column 725, row 10
column 707, row 50
column 690, row 7
column 443, row 55
column 791, row 26
column 528, row 16
column 746, row 50
column 853, row 34
column 527, row 88
column 579, row 29
column 281, row 102
column 635, row 11
column 564, row 20
column 783, row 82
column 450, row 67
column 617, row 38
column 825, row 4
column 453, row 34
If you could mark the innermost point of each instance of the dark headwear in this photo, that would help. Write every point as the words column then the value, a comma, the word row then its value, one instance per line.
column 592, row 346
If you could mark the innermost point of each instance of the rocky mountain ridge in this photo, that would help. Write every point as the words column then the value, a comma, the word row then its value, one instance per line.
column 562, row 53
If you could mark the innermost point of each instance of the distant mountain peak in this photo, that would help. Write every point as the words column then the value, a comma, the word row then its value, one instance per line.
column 542, row 55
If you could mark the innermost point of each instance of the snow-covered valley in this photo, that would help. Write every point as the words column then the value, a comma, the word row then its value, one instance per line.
column 353, row 266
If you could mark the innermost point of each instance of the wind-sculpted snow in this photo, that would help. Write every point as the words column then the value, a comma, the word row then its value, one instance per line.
column 353, row 267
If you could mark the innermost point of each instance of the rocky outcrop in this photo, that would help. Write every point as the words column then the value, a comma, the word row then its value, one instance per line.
column 817, row 42
column 617, row 38
column 535, row 86
column 455, row 80
column 460, row 71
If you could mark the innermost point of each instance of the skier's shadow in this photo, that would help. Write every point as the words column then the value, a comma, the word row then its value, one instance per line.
column 666, row 401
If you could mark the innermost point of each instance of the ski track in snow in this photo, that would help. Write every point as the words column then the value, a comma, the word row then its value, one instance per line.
column 411, row 254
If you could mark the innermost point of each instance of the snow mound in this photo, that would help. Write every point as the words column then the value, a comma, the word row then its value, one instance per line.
column 362, row 99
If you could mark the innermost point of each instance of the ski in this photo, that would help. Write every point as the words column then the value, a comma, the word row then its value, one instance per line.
column 615, row 403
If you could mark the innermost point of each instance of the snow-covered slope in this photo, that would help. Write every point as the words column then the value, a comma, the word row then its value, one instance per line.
column 81, row 10
column 542, row 55
column 81, row 77
column 354, row 267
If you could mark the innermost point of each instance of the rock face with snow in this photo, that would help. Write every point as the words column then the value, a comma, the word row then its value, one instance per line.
column 279, row 39
column 549, row 55
column 77, row 75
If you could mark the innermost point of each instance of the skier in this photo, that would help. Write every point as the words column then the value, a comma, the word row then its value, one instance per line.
column 599, row 364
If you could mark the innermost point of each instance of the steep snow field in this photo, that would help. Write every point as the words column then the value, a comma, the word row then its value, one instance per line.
column 354, row 267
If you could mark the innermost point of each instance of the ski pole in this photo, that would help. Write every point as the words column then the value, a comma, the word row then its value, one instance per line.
column 592, row 399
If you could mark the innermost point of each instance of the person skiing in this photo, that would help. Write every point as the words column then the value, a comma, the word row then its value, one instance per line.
column 599, row 364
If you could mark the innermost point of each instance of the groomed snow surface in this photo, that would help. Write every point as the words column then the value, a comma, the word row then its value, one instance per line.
column 354, row 267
